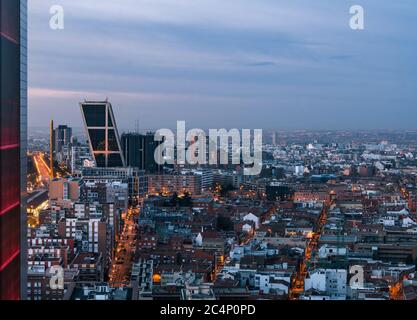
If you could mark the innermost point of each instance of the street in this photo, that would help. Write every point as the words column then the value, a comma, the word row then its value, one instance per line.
column 298, row 279
column 125, row 250
column 42, row 168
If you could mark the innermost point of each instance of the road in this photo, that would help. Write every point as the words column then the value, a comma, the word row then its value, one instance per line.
column 37, row 201
column 33, row 213
column 298, row 279
column 121, row 268
column 42, row 168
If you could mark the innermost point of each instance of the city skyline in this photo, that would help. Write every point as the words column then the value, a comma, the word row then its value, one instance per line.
column 226, row 65
column 300, row 185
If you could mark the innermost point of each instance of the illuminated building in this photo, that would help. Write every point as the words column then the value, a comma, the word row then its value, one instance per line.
column 62, row 137
column 103, row 137
column 13, row 122
column 168, row 184
column 136, row 179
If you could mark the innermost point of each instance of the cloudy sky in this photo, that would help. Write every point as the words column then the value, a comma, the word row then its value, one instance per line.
column 282, row 64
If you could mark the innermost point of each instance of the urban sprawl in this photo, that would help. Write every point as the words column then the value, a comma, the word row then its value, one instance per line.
column 332, row 216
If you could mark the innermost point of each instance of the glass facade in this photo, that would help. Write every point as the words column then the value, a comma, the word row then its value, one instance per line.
column 23, row 146
column 98, row 139
column 102, row 134
column 61, row 136
column 139, row 151
column 13, row 118
column 95, row 115
column 113, row 146
column 114, row 160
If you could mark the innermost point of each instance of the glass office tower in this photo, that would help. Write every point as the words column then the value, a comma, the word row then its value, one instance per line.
column 13, row 122
column 62, row 137
column 139, row 151
column 103, row 137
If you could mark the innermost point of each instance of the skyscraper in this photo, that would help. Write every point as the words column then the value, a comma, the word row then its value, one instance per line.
column 62, row 137
column 13, row 123
column 139, row 151
column 102, row 133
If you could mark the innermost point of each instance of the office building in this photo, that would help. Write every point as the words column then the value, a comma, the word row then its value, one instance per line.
column 207, row 178
column 168, row 184
column 63, row 190
column 13, row 122
column 276, row 191
column 139, row 151
column 103, row 137
column 136, row 179
column 63, row 135
column 227, row 178
column 79, row 156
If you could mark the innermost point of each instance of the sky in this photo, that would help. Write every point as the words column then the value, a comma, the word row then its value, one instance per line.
column 270, row 64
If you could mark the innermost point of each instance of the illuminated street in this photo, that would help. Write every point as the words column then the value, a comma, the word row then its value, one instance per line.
column 38, row 199
column 42, row 169
column 33, row 214
column 125, row 251
column 298, row 280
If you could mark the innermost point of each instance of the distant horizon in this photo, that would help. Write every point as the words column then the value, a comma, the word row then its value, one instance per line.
column 141, row 130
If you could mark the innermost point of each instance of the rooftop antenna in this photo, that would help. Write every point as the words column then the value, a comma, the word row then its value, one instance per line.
column 137, row 126
column 51, row 149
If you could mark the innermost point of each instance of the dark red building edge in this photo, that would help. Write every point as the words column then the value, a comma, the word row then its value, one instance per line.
column 10, row 157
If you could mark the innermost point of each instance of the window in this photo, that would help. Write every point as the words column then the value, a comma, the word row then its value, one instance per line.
column 95, row 115
column 115, row 160
column 113, row 146
column 100, row 160
column 98, row 139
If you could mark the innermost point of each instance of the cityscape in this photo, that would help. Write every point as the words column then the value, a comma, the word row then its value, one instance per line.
column 324, row 203
column 89, row 212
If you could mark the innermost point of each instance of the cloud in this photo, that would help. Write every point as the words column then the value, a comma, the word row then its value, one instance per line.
column 244, row 61
column 47, row 93
column 213, row 14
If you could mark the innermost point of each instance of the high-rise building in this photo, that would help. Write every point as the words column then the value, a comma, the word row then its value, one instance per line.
column 51, row 149
column 102, row 134
column 62, row 137
column 79, row 156
column 139, row 151
column 60, row 144
column 13, row 129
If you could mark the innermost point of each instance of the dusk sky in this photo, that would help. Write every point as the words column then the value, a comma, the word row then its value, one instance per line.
column 282, row 64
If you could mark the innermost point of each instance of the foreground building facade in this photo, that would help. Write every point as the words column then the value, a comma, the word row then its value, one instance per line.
column 13, row 122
